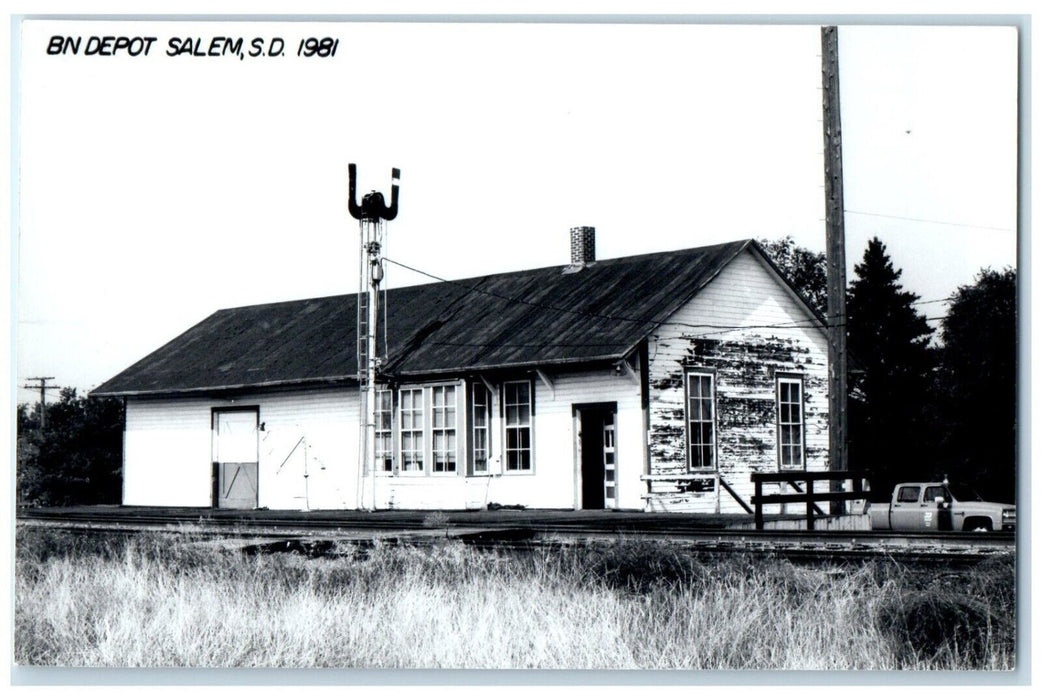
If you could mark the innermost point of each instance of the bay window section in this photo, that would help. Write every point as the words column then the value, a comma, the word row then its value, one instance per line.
column 517, row 409
column 480, row 405
column 410, row 418
column 384, row 449
column 443, row 429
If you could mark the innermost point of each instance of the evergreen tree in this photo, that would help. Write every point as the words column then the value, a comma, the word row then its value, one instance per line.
column 978, row 385
column 891, row 371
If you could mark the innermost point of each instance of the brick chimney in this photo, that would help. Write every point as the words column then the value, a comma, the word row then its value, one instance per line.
column 583, row 247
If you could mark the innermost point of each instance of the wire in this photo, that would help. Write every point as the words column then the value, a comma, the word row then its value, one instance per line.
column 517, row 300
column 927, row 221
column 648, row 321
column 714, row 329
column 529, row 345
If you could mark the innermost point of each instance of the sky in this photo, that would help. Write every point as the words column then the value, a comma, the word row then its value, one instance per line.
column 153, row 190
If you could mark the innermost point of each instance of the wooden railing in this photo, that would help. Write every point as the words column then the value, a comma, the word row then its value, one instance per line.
column 694, row 476
column 809, row 496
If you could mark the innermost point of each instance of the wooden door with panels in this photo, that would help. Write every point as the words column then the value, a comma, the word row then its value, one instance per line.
column 235, row 458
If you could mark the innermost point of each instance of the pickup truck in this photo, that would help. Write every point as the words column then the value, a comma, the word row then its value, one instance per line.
column 931, row 506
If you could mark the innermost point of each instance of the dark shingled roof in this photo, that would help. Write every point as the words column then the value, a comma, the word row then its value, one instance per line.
column 549, row 316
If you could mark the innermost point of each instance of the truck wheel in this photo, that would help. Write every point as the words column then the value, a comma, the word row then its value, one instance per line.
column 977, row 525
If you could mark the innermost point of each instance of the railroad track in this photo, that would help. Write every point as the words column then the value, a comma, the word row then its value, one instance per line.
column 526, row 530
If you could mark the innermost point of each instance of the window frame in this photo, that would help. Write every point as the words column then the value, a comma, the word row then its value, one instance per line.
column 797, row 380
column 427, row 430
column 506, row 427
column 412, row 390
column 430, row 391
column 391, row 433
column 612, row 451
column 690, row 372
column 473, row 388
column 918, row 490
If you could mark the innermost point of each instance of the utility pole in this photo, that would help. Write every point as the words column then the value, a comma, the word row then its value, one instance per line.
column 836, row 259
column 42, row 386
column 371, row 215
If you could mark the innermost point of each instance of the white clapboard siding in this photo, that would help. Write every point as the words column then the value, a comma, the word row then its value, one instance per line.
column 308, row 447
column 554, row 479
column 167, row 453
column 168, row 449
column 730, row 328
column 557, row 432
column 322, row 425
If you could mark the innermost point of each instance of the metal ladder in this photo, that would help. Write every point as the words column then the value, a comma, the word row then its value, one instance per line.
column 363, row 336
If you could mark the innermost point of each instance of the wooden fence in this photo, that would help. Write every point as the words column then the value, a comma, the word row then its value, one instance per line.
column 808, row 496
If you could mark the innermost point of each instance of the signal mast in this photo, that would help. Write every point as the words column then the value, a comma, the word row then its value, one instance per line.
column 371, row 215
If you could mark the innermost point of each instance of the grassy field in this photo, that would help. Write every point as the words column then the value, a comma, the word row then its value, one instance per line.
column 170, row 600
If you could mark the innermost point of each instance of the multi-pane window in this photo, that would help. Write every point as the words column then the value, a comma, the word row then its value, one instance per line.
column 480, row 403
column 443, row 428
column 410, row 418
column 384, row 450
column 700, row 421
column 790, row 422
column 517, row 410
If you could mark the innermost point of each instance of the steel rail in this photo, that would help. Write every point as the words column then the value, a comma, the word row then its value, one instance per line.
column 534, row 532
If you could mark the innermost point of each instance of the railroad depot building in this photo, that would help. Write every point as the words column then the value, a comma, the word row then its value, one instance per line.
column 653, row 382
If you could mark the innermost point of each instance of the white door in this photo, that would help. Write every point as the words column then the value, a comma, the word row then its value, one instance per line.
column 235, row 454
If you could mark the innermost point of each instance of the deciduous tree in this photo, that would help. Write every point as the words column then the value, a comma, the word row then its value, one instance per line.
column 977, row 384
column 77, row 458
column 805, row 269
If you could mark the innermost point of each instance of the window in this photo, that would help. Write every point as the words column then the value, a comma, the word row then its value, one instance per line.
column 908, row 494
column 517, row 409
column 932, row 493
column 790, row 422
column 384, row 451
column 428, row 429
column 443, row 428
column 410, row 409
column 700, row 422
column 480, row 403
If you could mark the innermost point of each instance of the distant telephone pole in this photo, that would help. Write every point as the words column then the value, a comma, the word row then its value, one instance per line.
column 835, row 253
column 43, row 387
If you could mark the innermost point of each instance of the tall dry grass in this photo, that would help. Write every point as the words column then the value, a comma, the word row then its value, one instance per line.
column 161, row 601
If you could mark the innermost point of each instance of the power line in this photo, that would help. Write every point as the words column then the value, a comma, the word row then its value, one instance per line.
column 557, row 309
column 686, row 336
column 517, row 300
column 927, row 221
column 528, row 345
column 825, row 320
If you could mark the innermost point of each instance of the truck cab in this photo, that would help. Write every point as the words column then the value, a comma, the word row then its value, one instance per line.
column 931, row 506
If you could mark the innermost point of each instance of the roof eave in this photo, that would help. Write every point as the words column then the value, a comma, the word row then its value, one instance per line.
column 531, row 364
column 220, row 388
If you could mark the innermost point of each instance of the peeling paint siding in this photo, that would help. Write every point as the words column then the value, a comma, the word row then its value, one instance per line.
column 745, row 363
column 168, row 454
